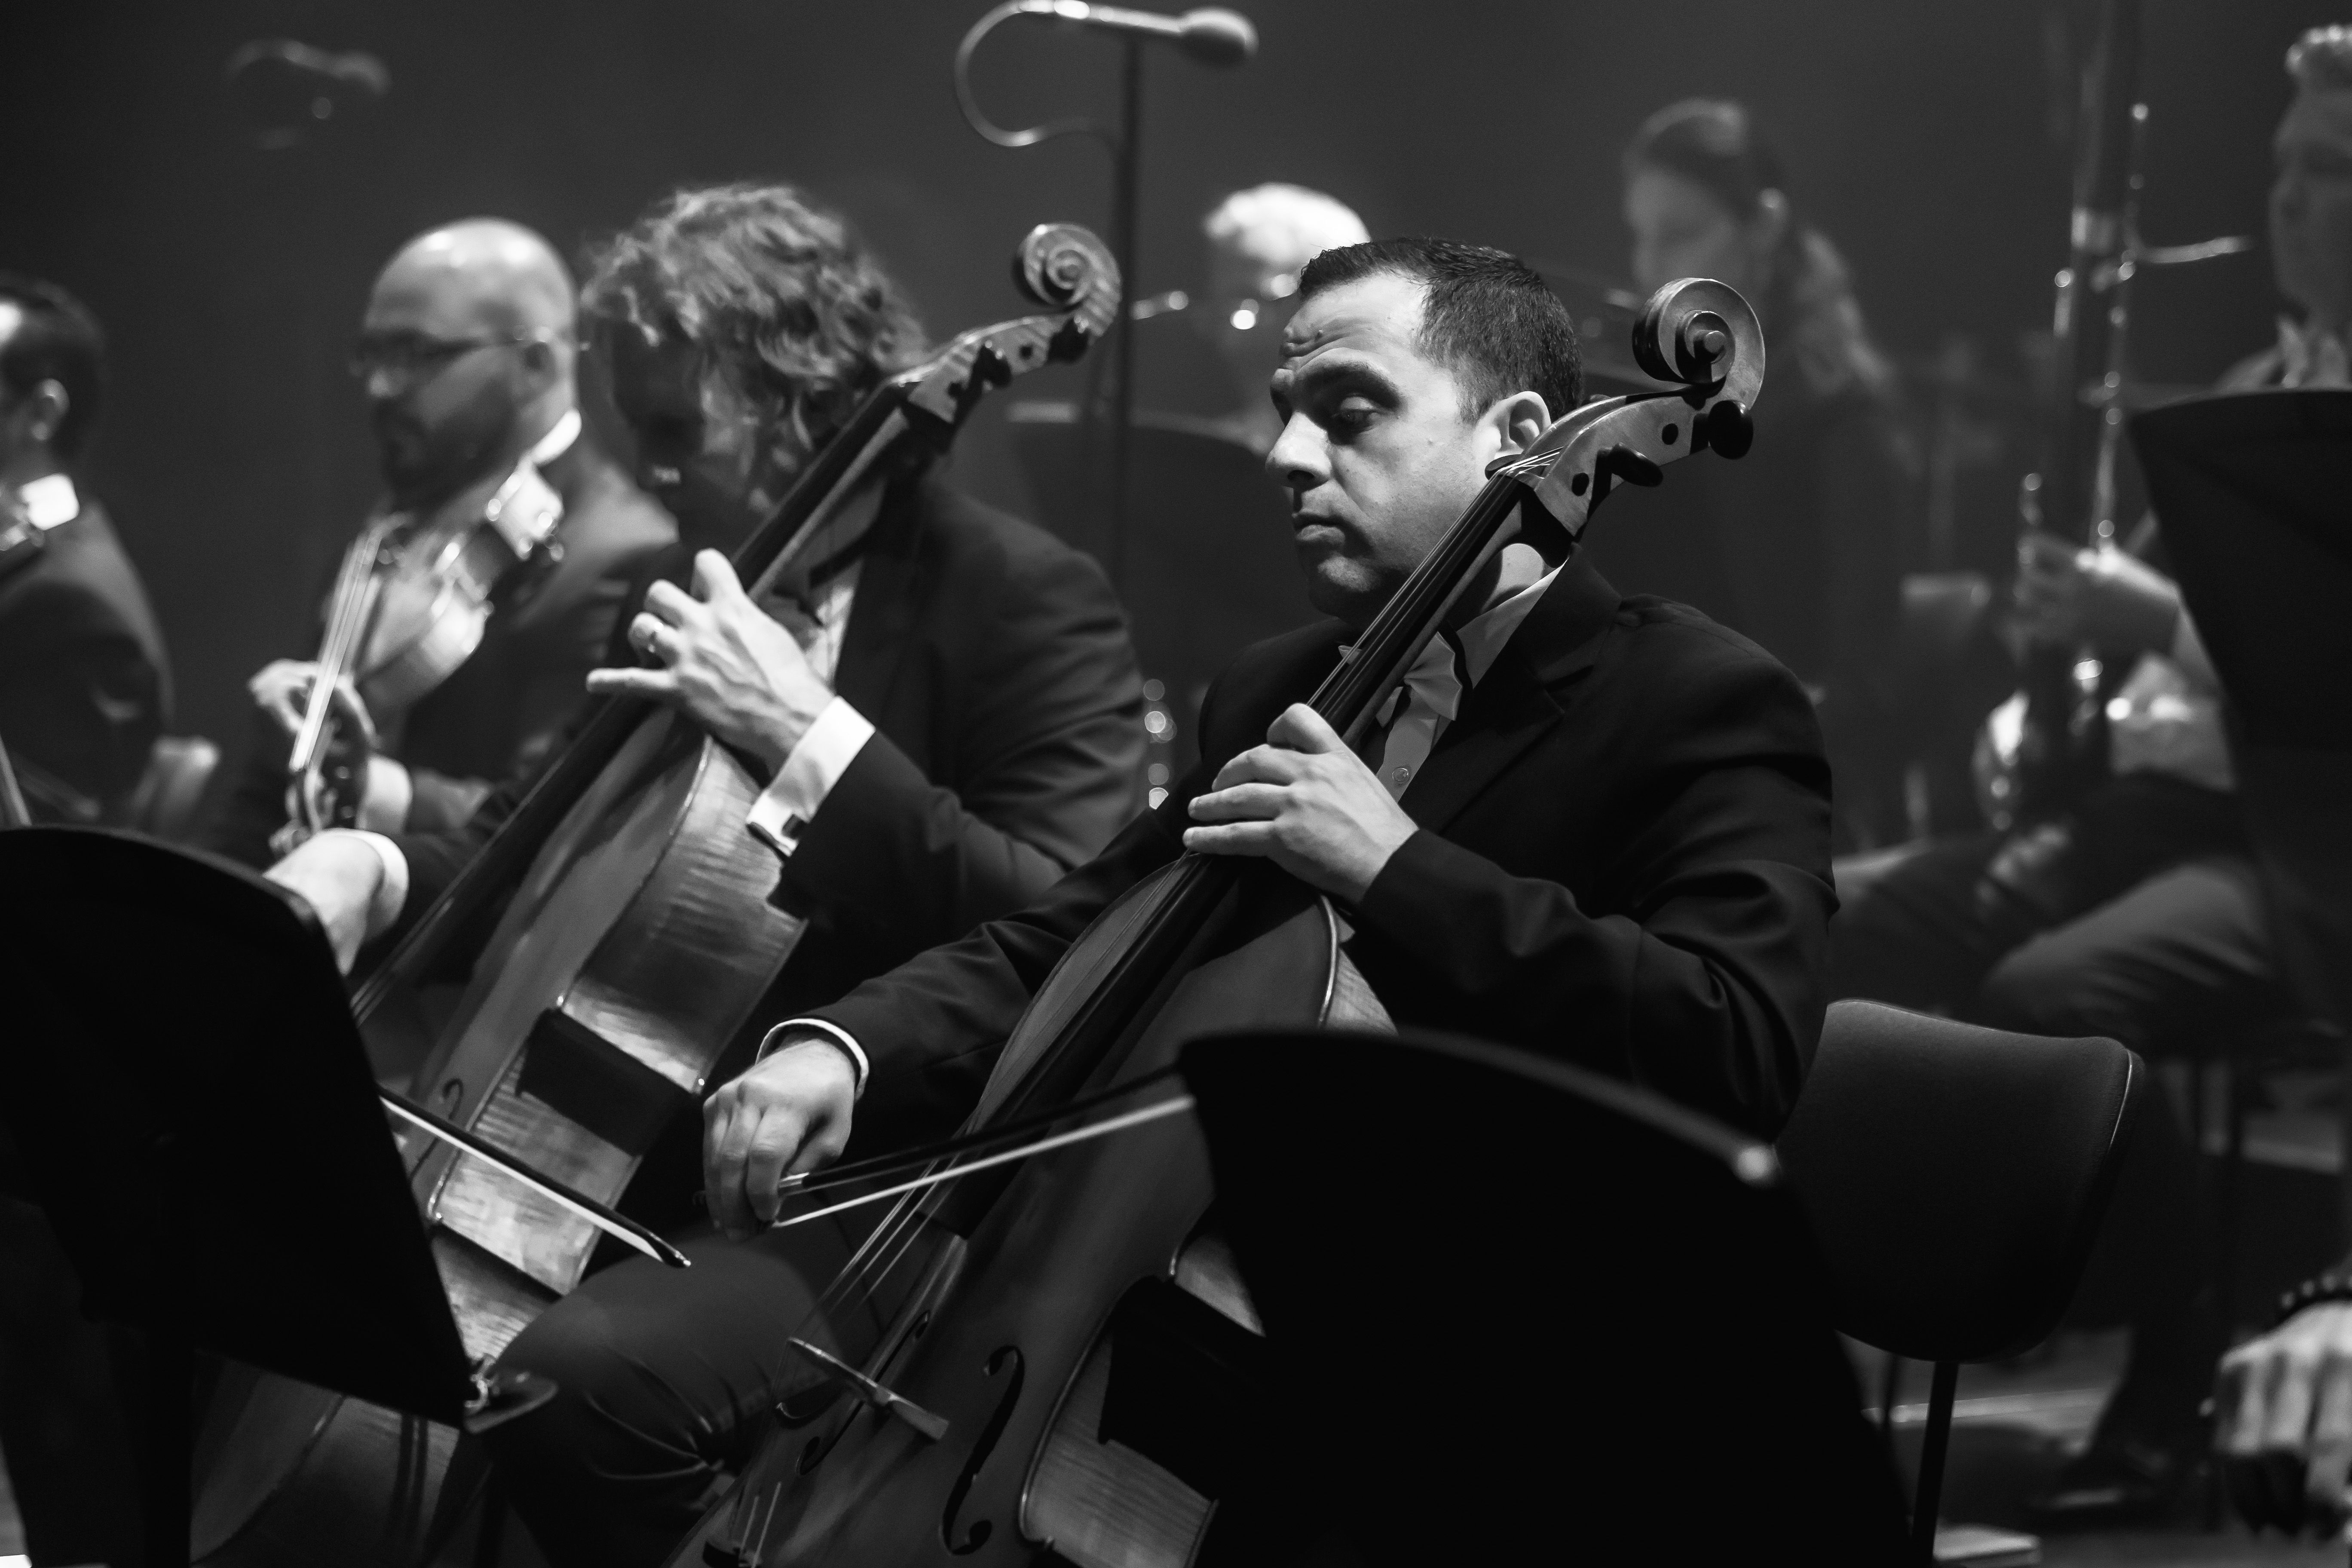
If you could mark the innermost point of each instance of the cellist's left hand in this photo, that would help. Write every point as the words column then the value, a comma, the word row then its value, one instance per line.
column 1306, row 802
column 724, row 663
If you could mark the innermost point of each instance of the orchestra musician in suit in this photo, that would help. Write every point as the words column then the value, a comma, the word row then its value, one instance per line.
column 1598, row 828
column 467, row 356
column 2139, row 915
column 84, row 692
column 949, row 720
column 85, row 688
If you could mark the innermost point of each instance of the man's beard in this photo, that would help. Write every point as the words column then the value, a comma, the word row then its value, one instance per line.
column 422, row 466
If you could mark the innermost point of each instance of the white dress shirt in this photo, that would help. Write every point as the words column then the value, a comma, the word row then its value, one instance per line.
column 49, row 502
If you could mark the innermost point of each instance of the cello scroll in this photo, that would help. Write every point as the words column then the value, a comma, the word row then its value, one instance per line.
column 1061, row 267
column 1696, row 332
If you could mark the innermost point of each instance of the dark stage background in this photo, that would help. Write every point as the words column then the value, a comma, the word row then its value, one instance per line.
column 234, row 452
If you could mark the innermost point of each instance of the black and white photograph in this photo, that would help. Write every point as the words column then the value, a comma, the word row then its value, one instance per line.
column 911, row 784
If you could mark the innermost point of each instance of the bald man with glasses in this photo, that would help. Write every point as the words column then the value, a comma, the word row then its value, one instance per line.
column 467, row 355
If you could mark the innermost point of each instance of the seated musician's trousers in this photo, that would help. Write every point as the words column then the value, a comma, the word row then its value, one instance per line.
column 2151, row 932
column 665, row 1377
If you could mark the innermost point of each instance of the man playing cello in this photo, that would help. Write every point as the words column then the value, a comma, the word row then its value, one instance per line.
column 1596, row 826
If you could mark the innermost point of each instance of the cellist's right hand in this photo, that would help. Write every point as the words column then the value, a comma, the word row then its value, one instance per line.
column 789, row 1113
column 346, row 881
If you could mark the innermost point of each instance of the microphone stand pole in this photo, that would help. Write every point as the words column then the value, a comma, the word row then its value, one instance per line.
column 1126, row 164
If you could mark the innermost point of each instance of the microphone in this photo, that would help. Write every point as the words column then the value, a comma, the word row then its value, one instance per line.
column 1211, row 35
column 289, row 89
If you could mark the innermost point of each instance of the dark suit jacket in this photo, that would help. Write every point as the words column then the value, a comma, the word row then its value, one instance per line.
column 506, row 704
column 84, row 686
column 1625, row 864
column 994, row 663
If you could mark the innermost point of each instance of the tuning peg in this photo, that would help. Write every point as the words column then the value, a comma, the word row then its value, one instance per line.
column 1730, row 430
column 1628, row 465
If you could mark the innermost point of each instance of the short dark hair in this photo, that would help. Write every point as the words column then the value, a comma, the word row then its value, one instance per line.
column 770, row 288
column 58, row 340
column 1487, row 317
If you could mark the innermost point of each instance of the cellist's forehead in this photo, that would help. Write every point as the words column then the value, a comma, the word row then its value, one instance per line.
column 1376, row 318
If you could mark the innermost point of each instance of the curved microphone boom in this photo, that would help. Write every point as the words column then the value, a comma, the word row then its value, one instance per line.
column 1211, row 35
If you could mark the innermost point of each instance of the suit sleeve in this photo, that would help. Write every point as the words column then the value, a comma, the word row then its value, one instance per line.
column 81, row 700
column 1047, row 745
column 1697, row 973
column 931, row 1028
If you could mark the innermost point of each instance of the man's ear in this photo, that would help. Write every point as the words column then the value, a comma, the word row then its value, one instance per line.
column 1518, row 419
column 45, row 409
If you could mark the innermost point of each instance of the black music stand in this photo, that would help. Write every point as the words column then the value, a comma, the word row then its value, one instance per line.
column 1518, row 1311
column 2250, row 488
column 188, row 1092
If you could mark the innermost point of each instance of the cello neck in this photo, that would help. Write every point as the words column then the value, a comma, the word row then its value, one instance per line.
column 1351, row 694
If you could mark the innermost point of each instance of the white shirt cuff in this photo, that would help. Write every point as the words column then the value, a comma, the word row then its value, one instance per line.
column 391, row 893
column 839, row 1037
column 791, row 802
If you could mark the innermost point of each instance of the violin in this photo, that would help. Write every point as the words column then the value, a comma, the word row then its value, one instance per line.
column 959, row 1402
column 637, row 938
column 413, row 596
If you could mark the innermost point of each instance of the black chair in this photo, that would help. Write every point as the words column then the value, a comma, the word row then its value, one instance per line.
column 1502, row 1320
column 1955, row 1178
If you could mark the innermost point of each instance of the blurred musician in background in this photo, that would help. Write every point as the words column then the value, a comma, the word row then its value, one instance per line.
column 1802, row 545
column 84, row 691
column 2282, row 1413
column 2139, row 915
column 467, row 356
column 84, row 687
column 1258, row 241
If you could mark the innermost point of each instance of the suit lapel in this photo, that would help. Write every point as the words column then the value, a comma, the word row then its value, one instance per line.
column 882, row 614
column 1516, row 704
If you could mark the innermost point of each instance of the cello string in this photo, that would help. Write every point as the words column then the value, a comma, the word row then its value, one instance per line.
column 1175, row 1105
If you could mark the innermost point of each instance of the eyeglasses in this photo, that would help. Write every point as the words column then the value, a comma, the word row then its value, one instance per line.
column 405, row 357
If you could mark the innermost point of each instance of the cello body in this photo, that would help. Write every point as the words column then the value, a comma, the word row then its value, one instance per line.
column 1088, row 1247
column 635, row 947
column 578, row 1037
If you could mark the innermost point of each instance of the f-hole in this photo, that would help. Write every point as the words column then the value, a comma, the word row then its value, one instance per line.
column 1005, row 1360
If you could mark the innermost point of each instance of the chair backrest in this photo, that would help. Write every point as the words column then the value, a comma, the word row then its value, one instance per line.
column 1562, row 1275
column 178, row 771
column 1955, row 1176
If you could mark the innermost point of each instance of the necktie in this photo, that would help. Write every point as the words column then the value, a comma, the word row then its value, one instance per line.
column 1430, row 696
